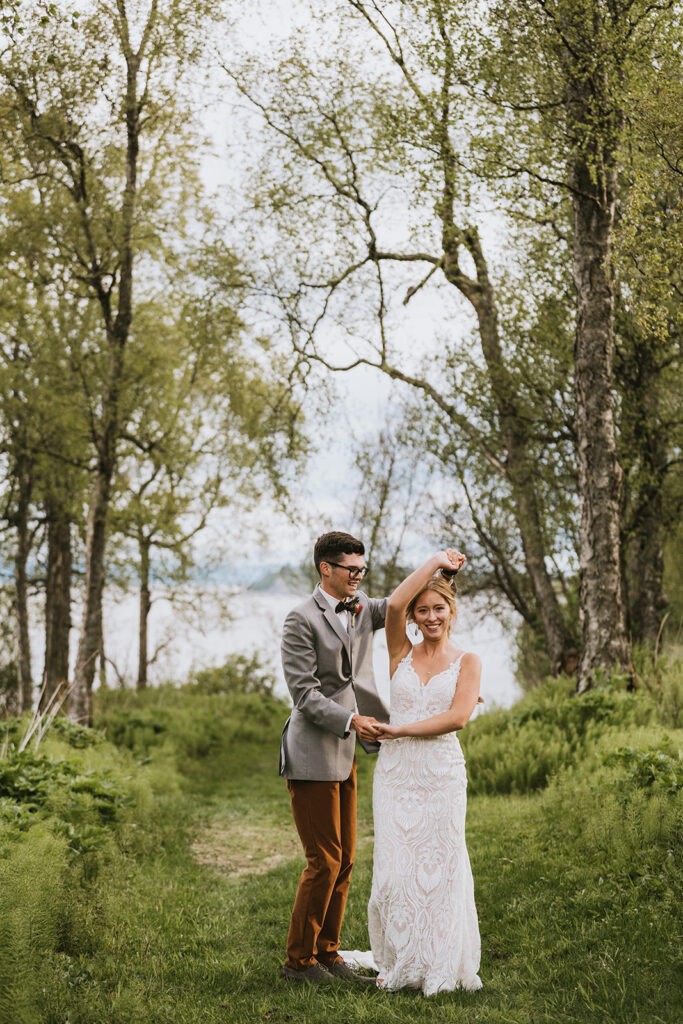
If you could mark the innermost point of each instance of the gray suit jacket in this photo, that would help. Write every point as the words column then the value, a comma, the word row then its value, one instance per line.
column 329, row 673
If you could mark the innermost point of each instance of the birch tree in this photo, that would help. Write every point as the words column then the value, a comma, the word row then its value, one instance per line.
column 354, row 146
column 100, row 118
column 458, row 106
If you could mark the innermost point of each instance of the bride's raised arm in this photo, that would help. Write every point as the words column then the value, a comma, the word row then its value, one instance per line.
column 397, row 641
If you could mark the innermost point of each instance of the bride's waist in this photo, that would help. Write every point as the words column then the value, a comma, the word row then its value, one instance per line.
column 446, row 739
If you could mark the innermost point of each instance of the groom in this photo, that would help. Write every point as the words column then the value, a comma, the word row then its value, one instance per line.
column 327, row 660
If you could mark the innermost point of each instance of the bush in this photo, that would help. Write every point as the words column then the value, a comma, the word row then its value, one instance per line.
column 239, row 674
column 518, row 750
column 658, row 767
column 67, row 811
column 625, row 817
column 80, row 815
column 34, row 902
column 187, row 722
column 663, row 681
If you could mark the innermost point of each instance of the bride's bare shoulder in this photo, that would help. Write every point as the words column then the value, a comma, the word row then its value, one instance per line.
column 470, row 657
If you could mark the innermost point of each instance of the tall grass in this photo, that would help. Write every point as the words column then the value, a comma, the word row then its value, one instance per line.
column 574, row 824
column 517, row 750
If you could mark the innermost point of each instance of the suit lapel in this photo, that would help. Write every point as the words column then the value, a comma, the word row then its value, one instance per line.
column 353, row 632
column 332, row 618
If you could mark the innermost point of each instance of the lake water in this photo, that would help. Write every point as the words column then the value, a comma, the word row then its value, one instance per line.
column 225, row 623
column 210, row 624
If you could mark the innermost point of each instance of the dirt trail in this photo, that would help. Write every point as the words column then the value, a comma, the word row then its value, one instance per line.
column 236, row 847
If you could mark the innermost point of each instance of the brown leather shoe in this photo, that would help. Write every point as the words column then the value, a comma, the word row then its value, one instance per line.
column 316, row 974
column 344, row 972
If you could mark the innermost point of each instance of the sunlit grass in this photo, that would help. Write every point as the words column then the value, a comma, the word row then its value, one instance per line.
column 577, row 888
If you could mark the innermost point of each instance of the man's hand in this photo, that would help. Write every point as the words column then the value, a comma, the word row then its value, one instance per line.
column 365, row 727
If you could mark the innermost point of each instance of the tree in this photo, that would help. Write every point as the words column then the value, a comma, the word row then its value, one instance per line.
column 392, row 483
column 43, row 435
column 98, row 125
column 212, row 428
column 354, row 145
column 567, row 70
column 174, row 407
column 649, row 326
column 436, row 119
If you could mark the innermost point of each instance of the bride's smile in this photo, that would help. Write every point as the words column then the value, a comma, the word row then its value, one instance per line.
column 432, row 615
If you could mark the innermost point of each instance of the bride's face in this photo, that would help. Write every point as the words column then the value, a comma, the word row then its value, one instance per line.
column 432, row 615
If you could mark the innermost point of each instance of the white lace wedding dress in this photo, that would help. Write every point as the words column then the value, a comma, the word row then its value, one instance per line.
column 422, row 917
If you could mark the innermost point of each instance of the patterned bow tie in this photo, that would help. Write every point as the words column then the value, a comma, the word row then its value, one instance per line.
column 351, row 605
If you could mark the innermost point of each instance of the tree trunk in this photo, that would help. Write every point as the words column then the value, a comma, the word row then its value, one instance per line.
column 650, row 507
column 57, row 602
column 145, row 605
column 520, row 473
column 89, row 640
column 101, row 651
column 24, row 479
column 605, row 642
column 117, row 330
column 644, row 529
column 646, row 577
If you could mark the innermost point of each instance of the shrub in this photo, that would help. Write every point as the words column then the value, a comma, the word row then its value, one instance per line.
column 33, row 912
column 70, row 816
column 239, row 674
column 626, row 819
column 517, row 750
column 186, row 722
column 663, row 681
column 659, row 767
column 76, row 735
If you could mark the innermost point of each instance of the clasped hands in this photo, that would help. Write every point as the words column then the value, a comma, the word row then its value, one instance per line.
column 370, row 730
column 451, row 560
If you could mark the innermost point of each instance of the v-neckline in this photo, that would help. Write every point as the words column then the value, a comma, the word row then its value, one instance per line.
column 423, row 686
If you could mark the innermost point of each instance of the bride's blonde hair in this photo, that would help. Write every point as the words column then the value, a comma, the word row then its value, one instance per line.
column 441, row 586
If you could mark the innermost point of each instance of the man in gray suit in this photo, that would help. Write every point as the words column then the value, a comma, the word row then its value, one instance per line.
column 327, row 660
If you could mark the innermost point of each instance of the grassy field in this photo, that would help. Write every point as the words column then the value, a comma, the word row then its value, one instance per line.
column 151, row 880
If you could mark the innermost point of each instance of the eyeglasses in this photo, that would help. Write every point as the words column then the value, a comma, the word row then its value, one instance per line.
column 355, row 573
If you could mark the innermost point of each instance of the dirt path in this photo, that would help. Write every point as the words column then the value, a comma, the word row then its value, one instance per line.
column 236, row 847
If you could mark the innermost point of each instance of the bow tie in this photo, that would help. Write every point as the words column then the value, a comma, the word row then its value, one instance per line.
column 348, row 606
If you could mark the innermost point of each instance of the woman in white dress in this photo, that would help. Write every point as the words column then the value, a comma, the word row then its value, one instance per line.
column 422, row 917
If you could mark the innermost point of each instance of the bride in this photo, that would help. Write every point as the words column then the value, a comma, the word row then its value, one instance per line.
column 422, row 917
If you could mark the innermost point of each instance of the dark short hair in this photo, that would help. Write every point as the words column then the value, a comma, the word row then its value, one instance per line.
column 330, row 546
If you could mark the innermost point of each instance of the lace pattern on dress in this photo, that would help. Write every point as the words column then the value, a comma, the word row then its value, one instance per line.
column 422, row 916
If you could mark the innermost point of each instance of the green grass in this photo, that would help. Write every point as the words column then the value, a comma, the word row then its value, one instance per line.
column 577, row 884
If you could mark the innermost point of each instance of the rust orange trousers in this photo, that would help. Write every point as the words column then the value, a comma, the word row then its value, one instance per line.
column 325, row 818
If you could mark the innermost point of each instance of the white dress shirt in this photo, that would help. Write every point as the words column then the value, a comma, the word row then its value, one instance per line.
column 343, row 617
column 333, row 601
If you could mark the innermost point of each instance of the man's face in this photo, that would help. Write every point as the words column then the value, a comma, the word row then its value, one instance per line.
column 337, row 580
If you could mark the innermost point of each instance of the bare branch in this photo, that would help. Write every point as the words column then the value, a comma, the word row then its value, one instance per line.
column 395, row 49
column 416, row 287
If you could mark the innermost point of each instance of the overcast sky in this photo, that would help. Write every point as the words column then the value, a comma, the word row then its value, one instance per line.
column 365, row 396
